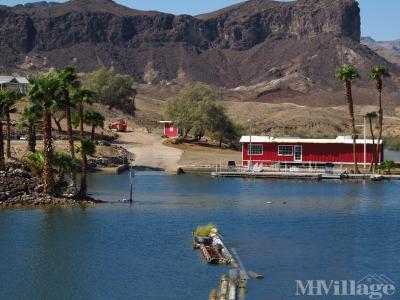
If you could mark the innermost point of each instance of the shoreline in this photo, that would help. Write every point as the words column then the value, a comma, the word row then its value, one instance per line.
column 19, row 188
column 50, row 202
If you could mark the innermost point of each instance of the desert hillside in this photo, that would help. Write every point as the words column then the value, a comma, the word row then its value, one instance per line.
column 278, row 49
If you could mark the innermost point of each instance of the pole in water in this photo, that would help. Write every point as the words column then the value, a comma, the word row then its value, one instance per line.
column 131, row 187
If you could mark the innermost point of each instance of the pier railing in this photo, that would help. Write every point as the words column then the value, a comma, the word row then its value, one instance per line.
column 282, row 167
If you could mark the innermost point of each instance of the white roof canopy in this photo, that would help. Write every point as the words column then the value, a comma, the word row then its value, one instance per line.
column 12, row 79
column 295, row 140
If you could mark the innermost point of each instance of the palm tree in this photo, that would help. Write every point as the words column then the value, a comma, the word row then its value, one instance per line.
column 29, row 117
column 370, row 116
column 94, row 119
column 35, row 161
column 70, row 82
column 44, row 92
column 9, row 98
column 377, row 74
column 63, row 163
column 348, row 75
column 80, row 97
column 2, row 109
column 85, row 147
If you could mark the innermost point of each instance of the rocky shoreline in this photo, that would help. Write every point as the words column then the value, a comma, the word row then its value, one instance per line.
column 20, row 189
column 119, row 161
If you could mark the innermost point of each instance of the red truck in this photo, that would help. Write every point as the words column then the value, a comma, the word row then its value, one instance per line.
column 119, row 125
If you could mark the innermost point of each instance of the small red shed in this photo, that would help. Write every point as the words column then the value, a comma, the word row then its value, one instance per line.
column 267, row 150
column 170, row 130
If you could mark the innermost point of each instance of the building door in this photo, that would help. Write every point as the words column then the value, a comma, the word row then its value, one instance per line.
column 298, row 153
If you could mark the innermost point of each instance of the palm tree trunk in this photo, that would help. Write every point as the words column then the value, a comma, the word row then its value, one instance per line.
column 83, row 190
column 2, row 160
column 349, row 98
column 8, row 137
column 48, row 179
column 57, row 122
column 380, row 113
column 31, row 136
column 59, row 181
column 373, row 145
column 81, row 118
column 93, row 132
column 69, row 131
column 70, row 141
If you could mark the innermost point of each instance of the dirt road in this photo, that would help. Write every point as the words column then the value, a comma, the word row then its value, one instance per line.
column 149, row 151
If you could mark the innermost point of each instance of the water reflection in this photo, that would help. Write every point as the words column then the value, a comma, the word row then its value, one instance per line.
column 339, row 230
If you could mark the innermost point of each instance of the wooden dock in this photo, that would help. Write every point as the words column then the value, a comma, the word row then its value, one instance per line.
column 302, row 175
column 279, row 175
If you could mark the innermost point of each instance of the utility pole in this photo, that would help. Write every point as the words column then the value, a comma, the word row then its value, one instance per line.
column 365, row 142
column 250, row 150
column 131, row 190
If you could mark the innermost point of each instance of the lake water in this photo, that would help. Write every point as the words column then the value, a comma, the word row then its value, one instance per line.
column 392, row 155
column 312, row 230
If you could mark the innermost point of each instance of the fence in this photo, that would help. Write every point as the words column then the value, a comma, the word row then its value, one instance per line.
column 283, row 167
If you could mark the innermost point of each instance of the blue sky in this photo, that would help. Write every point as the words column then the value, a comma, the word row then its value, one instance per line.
column 380, row 18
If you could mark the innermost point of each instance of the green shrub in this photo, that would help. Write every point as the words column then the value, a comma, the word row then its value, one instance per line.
column 387, row 165
column 205, row 230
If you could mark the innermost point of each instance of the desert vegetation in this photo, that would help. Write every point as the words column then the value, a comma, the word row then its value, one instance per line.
column 112, row 89
column 195, row 110
column 51, row 98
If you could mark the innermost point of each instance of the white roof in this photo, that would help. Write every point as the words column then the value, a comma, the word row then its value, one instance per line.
column 294, row 140
column 8, row 79
column 166, row 122
column 22, row 80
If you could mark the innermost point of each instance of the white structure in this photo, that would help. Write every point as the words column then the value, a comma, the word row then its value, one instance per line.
column 18, row 83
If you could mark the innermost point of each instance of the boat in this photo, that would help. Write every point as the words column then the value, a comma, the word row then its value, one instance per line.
column 212, row 248
column 212, row 255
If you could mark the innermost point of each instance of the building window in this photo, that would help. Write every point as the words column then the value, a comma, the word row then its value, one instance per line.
column 255, row 149
column 285, row 150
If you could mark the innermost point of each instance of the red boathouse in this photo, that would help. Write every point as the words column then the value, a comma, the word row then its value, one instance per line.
column 266, row 151
column 170, row 130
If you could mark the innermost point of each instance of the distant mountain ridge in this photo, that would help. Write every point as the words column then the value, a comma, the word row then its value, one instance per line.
column 37, row 4
column 279, row 49
column 387, row 49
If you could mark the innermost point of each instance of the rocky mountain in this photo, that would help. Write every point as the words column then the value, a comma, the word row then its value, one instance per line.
column 276, row 49
column 387, row 49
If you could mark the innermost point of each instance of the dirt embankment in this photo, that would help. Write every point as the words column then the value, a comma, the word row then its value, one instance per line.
column 198, row 155
column 149, row 151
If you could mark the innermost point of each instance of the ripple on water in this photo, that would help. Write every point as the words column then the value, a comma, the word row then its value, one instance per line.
column 311, row 230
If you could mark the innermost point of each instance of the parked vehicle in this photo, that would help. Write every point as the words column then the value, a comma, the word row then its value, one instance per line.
column 118, row 125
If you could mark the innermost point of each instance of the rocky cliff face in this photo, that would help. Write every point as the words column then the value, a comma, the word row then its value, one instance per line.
column 47, row 27
column 248, row 24
column 247, row 44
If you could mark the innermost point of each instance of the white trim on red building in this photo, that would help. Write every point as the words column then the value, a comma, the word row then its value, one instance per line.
column 290, row 140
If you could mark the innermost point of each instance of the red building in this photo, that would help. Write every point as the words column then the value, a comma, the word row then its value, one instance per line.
column 170, row 130
column 267, row 150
